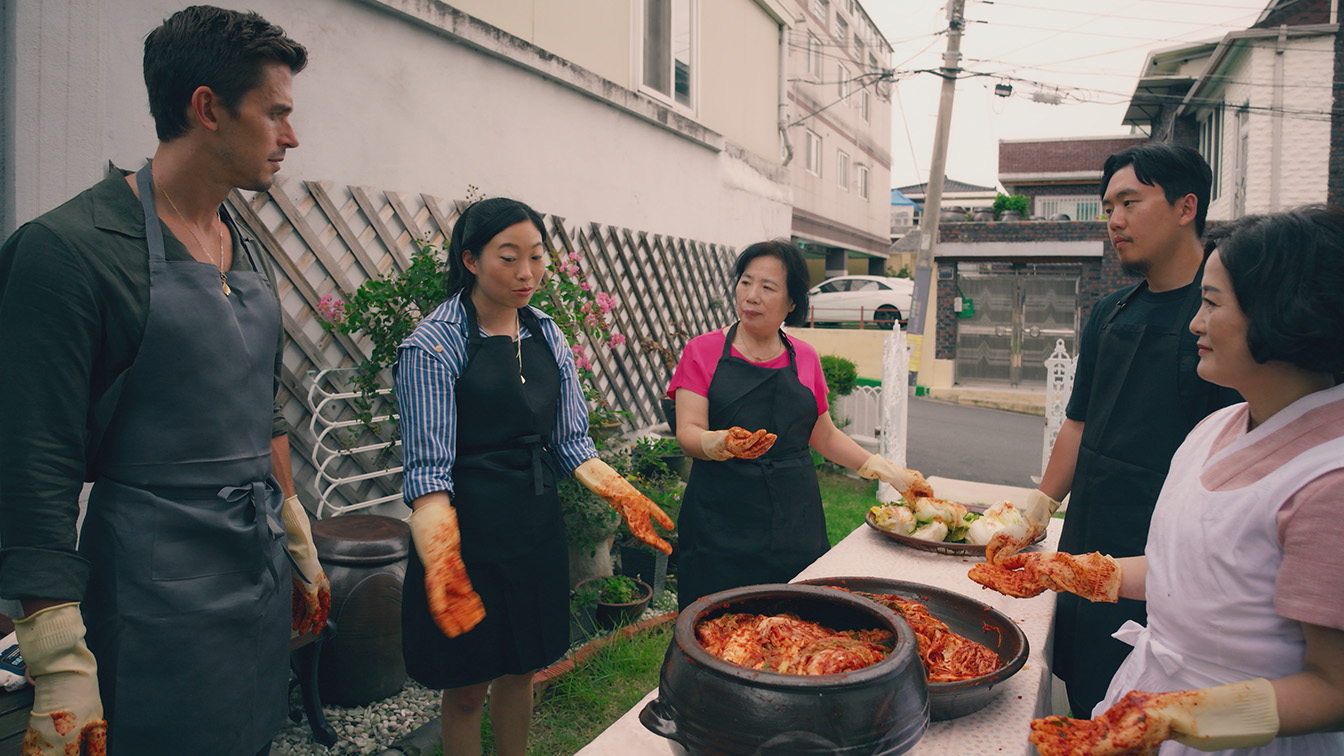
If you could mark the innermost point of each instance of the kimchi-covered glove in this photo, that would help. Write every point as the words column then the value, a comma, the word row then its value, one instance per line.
column 736, row 442
column 910, row 483
column 633, row 506
column 1237, row 715
column 1016, row 536
column 67, row 714
column 452, row 602
column 1093, row 576
column 312, row 591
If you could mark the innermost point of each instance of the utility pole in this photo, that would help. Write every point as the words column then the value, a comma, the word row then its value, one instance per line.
column 923, row 319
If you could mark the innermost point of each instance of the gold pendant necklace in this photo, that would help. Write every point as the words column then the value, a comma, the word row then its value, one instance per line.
column 742, row 347
column 518, row 341
column 223, row 277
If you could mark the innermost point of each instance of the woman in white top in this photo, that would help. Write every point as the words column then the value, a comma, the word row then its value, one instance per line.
column 1244, row 647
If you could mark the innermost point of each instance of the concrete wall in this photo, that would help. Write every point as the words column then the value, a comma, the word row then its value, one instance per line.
column 863, row 348
column 406, row 95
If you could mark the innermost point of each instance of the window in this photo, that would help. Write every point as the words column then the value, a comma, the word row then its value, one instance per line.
column 865, row 107
column 1211, row 147
column 858, row 48
column 813, row 153
column 861, row 178
column 841, row 31
column 1077, row 208
column 872, row 63
column 668, row 45
column 842, row 76
column 842, row 170
column 813, row 55
column 821, row 9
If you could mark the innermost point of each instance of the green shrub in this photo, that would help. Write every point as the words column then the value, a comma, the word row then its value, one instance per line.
column 841, row 376
column 1019, row 202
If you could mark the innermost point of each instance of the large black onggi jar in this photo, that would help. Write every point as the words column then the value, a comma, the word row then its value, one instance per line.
column 713, row 708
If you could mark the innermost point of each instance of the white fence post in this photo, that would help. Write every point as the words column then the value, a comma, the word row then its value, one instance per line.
column 895, row 406
column 1059, row 368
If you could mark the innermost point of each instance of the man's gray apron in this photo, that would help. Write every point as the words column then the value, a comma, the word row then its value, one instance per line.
column 188, row 607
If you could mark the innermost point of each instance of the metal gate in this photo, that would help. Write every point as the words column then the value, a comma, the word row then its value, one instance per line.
column 1018, row 317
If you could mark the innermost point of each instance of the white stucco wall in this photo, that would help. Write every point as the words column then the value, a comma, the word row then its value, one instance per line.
column 1303, row 152
column 387, row 101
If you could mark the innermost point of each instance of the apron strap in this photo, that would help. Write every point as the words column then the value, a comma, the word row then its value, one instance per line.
column 268, row 529
column 144, row 181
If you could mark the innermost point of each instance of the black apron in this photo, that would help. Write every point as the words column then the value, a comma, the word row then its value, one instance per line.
column 188, row 607
column 513, row 540
column 751, row 521
column 1146, row 397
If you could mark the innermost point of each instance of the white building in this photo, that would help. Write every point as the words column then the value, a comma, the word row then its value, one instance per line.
column 1259, row 104
column 839, row 135
column 656, row 115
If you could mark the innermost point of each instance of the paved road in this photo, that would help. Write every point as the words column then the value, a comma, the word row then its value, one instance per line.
column 974, row 443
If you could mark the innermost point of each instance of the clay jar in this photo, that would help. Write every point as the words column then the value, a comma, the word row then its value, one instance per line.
column 365, row 560
column 711, row 707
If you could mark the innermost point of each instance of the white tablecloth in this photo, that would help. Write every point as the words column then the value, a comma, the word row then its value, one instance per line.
column 999, row 728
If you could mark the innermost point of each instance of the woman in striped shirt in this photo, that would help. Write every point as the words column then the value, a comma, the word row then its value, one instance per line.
column 491, row 413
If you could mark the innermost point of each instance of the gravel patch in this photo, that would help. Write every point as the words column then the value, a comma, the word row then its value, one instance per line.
column 374, row 728
column 362, row 730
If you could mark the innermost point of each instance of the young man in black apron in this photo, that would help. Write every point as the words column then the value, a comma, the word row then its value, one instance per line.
column 150, row 336
column 1135, row 395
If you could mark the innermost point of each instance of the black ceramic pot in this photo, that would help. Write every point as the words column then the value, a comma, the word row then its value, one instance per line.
column 966, row 617
column 710, row 707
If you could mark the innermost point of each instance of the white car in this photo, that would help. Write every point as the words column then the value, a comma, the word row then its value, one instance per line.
column 871, row 299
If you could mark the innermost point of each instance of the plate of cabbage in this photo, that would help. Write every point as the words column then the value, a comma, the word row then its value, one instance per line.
column 945, row 527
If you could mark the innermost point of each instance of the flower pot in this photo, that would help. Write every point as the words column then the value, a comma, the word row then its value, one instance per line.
column 611, row 616
column 645, row 564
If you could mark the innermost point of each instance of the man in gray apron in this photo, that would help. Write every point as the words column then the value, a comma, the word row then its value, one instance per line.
column 1135, row 395
column 149, row 331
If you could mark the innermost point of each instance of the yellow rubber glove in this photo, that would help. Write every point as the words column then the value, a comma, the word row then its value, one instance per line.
column 633, row 506
column 1036, row 517
column 909, row 482
column 1237, row 715
column 453, row 603
column 312, row 591
column 1093, row 576
column 736, row 442
column 67, row 714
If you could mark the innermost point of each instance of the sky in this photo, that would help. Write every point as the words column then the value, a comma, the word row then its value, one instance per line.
column 1089, row 53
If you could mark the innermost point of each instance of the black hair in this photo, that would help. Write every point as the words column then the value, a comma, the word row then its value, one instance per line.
column 480, row 222
column 797, row 279
column 1287, row 273
column 205, row 46
column 1176, row 170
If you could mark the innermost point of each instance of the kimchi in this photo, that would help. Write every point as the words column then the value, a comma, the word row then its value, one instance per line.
column 788, row 645
column 947, row 656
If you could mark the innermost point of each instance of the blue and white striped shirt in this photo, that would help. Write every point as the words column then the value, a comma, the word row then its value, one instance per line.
column 428, row 365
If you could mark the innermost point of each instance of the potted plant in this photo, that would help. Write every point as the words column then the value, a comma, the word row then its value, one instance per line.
column 649, row 464
column 620, row 598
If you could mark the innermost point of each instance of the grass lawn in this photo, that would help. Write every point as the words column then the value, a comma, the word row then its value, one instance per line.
column 580, row 705
column 846, row 502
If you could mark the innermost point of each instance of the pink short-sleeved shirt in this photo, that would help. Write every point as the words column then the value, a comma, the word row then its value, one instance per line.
column 701, row 357
column 1310, row 522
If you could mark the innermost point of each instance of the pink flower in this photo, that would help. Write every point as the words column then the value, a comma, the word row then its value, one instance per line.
column 616, row 340
column 585, row 286
column 605, row 302
column 331, row 309
column 574, row 256
column 581, row 360
column 591, row 319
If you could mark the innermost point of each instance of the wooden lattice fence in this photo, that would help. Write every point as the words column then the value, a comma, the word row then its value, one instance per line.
column 323, row 239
